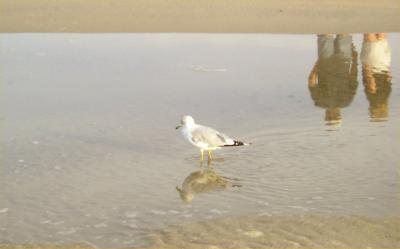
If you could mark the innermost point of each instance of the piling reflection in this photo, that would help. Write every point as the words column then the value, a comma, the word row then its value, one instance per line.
column 333, row 79
column 203, row 181
column 376, row 58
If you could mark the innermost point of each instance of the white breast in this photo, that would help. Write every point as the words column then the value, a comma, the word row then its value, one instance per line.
column 188, row 136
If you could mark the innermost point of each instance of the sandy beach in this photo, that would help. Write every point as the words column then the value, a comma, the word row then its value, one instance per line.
column 93, row 90
column 91, row 155
column 282, row 232
column 288, row 16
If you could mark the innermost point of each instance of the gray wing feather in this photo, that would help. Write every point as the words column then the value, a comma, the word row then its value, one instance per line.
column 210, row 136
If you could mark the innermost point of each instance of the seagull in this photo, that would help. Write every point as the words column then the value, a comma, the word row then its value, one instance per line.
column 205, row 138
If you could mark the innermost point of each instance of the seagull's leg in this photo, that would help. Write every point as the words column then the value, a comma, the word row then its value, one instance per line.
column 201, row 155
column 209, row 163
column 209, row 155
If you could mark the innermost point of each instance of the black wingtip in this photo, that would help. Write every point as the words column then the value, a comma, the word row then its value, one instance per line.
column 236, row 143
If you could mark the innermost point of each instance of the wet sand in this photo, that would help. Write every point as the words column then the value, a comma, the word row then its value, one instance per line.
column 297, row 231
column 288, row 16
column 311, row 231
column 87, row 118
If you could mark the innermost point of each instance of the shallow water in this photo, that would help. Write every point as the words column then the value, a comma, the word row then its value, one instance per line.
column 89, row 151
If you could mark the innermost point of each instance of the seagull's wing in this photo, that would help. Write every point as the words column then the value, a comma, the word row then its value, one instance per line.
column 211, row 137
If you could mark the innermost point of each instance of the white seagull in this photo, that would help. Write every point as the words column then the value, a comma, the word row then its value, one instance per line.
column 205, row 138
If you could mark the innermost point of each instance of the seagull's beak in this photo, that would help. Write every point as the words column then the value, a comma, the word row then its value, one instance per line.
column 179, row 126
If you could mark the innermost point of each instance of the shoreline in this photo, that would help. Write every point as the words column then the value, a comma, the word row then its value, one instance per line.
column 269, row 232
column 176, row 16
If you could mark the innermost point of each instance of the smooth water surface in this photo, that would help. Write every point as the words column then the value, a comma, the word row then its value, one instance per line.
column 90, row 154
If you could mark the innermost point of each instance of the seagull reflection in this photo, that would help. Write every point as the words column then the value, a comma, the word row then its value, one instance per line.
column 376, row 58
column 333, row 79
column 203, row 181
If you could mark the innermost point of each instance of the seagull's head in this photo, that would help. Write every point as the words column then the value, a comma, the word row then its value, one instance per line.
column 186, row 121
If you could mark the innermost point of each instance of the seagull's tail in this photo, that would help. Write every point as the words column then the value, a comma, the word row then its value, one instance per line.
column 237, row 143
